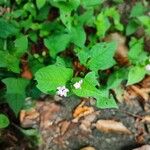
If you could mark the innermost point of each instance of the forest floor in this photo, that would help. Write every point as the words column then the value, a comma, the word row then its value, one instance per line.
column 72, row 124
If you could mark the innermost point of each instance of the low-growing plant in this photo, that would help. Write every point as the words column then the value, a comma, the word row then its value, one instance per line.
column 58, row 47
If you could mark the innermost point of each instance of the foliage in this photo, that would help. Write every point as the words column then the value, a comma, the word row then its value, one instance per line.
column 4, row 121
column 62, row 43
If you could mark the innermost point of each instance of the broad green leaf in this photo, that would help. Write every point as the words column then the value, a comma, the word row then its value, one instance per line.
column 131, row 27
column 137, row 10
column 88, row 88
column 21, row 44
column 7, row 29
column 57, row 43
column 101, row 56
column 105, row 102
column 40, row 3
column 136, row 74
column 78, row 36
column 9, row 61
column 15, row 94
column 51, row 77
column 91, row 77
column 4, row 121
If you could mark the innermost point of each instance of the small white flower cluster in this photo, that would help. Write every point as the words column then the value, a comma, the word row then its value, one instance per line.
column 147, row 67
column 77, row 85
column 62, row 90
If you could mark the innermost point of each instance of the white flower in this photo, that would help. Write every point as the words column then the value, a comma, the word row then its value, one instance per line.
column 147, row 67
column 77, row 85
column 62, row 91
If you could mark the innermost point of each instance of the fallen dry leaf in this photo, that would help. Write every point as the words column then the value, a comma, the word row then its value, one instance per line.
column 111, row 126
column 88, row 148
column 146, row 119
column 86, row 123
column 81, row 111
column 28, row 118
column 63, row 125
column 146, row 82
column 141, row 92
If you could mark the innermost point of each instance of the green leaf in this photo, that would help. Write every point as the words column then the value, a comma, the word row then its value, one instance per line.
column 87, row 3
column 57, row 43
column 9, row 61
column 15, row 94
column 88, row 88
column 136, row 74
column 4, row 121
column 101, row 56
column 78, row 36
column 21, row 44
column 137, row 53
column 64, row 5
column 114, row 14
column 40, row 3
column 52, row 76
column 137, row 10
column 66, row 19
column 117, row 77
column 102, row 25
column 131, row 27
column 7, row 29
column 145, row 22
column 105, row 102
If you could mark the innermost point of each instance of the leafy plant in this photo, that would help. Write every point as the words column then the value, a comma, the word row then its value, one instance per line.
column 60, row 47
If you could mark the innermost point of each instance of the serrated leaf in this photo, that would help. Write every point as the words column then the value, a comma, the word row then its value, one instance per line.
column 15, row 94
column 137, row 10
column 21, row 44
column 57, row 43
column 101, row 56
column 136, row 74
column 40, row 3
column 4, row 121
column 6, row 29
column 51, row 77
